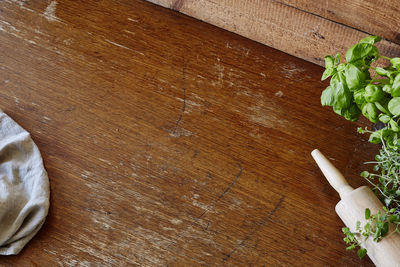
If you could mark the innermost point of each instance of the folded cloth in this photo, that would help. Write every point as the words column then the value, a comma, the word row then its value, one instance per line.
column 24, row 187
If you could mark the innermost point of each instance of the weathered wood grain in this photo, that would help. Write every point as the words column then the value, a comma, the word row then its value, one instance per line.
column 170, row 142
column 375, row 17
column 288, row 28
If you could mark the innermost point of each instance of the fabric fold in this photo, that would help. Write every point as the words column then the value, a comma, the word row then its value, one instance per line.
column 24, row 187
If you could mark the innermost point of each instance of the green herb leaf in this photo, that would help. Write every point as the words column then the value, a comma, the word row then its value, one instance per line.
column 367, row 213
column 329, row 62
column 376, row 137
column 382, row 105
column 394, row 106
column 352, row 113
column 384, row 118
column 393, row 218
column 370, row 111
column 364, row 174
column 359, row 96
column 394, row 126
column 354, row 76
column 373, row 93
column 387, row 88
column 395, row 62
column 396, row 86
column 327, row 97
column 340, row 91
column 385, row 229
column 361, row 252
column 371, row 39
column 359, row 51
column 337, row 59
column 381, row 71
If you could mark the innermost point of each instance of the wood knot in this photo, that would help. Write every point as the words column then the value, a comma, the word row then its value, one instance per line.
column 177, row 5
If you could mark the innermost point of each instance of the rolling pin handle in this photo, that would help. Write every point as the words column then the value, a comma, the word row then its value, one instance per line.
column 333, row 175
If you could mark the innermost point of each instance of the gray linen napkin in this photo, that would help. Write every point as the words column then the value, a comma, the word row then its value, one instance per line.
column 24, row 187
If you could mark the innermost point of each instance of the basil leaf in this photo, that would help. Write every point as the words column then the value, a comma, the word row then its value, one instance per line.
column 384, row 118
column 339, row 110
column 376, row 137
column 395, row 91
column 394, row 126
column 373, row 93
column 387, row 88
column 383, row 105
column 394, row 106
column 340, row 91
column 359, row 96
column 352, row 113
column 395, row 62
column 362, row 51
column 382, row 71
column 371, row 39
column 396, row 83
column 370, row 111
column 327, row 73
column 341, row 67
column 329, row 62
column 354, row 77
column 337, row 59
column 327, row 97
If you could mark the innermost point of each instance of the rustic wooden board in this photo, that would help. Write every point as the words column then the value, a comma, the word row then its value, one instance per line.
column 171, row 142
column 284, row 27
column 371, row 16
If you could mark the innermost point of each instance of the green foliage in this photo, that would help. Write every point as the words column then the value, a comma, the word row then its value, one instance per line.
column 386, row 180
column 376, row 227
column 352, row 91
column 386, row 185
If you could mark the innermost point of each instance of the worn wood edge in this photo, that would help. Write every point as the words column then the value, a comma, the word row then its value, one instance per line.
column 278, row 25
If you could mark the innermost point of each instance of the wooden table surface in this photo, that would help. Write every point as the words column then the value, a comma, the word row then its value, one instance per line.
column 170, row 142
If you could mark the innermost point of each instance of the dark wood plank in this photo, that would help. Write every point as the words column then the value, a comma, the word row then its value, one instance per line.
column 171, row 142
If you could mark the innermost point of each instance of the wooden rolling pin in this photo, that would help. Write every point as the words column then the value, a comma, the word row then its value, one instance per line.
column 351, row 208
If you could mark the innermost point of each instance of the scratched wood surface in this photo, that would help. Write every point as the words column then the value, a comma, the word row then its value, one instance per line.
column 170, row 142
column 306, row 29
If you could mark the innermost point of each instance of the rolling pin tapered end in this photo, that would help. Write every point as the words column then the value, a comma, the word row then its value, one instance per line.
column 333, row 175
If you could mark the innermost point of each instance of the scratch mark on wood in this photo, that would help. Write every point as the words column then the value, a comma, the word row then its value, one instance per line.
column 122, row 46
column 50, row 12
column 117, row 44
column 184, row 98
column 133, row 20
column 233, row 182
column 220, row 69
column 133, row 33
column 267, row 217
column 175, row 221
column 200, row 205
column 208, row 208
column 105, row 161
